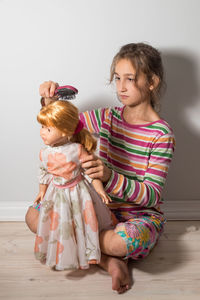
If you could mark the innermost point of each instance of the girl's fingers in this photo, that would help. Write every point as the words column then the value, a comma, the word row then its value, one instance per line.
column 47, row 88
column 53, row 87
column 44, row 88
column 88, row 158
column 95, row 168
column 93, row 171
column 90, row 164
column 46, row 93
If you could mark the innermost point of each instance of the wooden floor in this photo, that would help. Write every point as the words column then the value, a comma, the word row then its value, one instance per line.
column 172, row 270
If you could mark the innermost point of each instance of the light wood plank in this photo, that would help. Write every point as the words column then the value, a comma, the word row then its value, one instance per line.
column 172, row 270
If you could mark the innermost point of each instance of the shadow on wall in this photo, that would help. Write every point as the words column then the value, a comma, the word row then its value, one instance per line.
column 179, row 105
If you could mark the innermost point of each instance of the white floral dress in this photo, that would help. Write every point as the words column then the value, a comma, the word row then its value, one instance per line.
column 72, row 214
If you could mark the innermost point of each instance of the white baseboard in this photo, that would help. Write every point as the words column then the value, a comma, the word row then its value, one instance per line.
column 13, row 210
column 182, row 209
column 174, row 210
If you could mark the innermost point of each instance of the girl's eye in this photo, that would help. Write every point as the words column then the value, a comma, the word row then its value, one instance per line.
column 117, row 78
column 131, row 79
column 49, row 129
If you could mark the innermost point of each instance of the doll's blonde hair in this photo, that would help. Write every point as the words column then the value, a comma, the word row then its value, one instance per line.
column 64, row 116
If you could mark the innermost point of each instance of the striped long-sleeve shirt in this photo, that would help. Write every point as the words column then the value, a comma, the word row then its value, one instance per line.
column 139, row 157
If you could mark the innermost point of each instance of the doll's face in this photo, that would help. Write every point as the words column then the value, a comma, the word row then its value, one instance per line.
column 52, row 136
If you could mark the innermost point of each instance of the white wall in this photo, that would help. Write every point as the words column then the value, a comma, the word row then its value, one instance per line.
column 73, row 42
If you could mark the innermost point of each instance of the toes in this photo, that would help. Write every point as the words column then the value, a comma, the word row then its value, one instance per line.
column 123, row 289
column 119, row 287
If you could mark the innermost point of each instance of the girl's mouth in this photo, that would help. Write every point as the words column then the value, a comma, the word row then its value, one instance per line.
column 123, row 96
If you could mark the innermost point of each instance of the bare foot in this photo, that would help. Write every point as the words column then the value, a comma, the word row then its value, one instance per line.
column 118, row 270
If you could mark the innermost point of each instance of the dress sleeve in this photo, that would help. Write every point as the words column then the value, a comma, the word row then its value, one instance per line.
column 146, row 193
column 43, row 176
column 93, row 119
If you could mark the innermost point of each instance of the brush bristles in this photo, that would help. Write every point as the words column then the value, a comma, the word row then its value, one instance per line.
column 66, row 94
column 66, row 97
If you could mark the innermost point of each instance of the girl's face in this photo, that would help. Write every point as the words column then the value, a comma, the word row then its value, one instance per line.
column 127, row 91
column 52, row 136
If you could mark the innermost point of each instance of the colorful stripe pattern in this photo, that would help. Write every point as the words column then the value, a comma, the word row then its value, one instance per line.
column 139, row 156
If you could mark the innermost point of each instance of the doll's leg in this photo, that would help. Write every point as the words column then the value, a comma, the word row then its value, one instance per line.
column 31, row 218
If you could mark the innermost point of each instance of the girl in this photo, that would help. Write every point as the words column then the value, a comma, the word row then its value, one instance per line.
column 136, row 148
column 67, row 235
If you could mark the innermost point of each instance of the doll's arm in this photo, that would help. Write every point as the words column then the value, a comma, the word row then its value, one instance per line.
column 98, row 185
column 42, row 191
column 44, row 179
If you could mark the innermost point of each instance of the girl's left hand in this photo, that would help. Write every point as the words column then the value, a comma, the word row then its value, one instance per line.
column 95, row 168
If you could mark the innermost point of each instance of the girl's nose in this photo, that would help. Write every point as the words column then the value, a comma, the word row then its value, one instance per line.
column 122, row 86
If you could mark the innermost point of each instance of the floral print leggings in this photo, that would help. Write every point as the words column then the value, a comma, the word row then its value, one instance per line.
column 140, row 234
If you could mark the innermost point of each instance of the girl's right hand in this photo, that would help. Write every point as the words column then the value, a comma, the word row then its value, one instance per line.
column 47, row 89
column 95, row 168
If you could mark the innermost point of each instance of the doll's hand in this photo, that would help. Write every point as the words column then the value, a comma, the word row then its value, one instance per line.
column 95, row 168
column 39, row 198
column 47, row 89
column 42, row 191
column 100, row 190
column 105, row 198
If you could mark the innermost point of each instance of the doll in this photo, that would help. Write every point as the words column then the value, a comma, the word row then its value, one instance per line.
column 72, row 213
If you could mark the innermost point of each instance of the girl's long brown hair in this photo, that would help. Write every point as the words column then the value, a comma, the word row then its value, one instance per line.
column 146, row 59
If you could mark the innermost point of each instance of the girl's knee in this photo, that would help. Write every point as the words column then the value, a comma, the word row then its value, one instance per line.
column 112, row 244
column 140, row 237
column 117, row 245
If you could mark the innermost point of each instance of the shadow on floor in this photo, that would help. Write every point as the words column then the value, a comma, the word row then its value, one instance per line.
column 171, row 252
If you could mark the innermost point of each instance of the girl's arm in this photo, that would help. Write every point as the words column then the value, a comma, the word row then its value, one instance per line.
column 120, row 187
column 93, row 119
column 145, row 193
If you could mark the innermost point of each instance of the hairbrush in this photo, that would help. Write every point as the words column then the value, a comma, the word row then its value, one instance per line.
column 66, row 92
